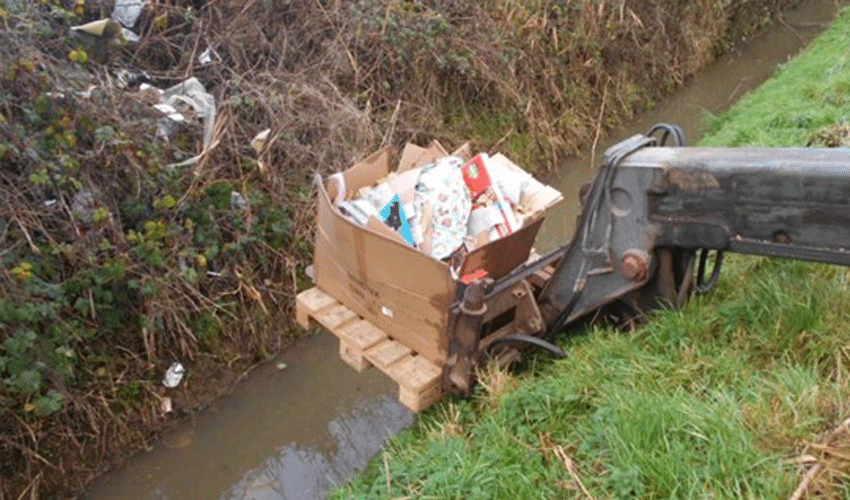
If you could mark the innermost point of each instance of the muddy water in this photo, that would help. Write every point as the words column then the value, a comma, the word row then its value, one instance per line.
column 288, row 432
column 293, row 433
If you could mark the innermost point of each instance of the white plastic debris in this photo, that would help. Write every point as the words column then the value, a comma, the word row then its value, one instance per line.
column 192, row 93
column 207, row 56
column 126, row 78
column 165, row 405
column 170, row 112
column 259, row 140
column 126, row 13
column 176, row 102
column 237, row 201
column 173, row 375
column 94, row 28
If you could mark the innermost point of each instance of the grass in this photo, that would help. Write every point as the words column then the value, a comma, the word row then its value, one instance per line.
column 734, row 396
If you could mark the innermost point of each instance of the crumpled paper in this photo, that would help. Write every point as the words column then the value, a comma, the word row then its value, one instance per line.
column 127, row 13
column 192, row 94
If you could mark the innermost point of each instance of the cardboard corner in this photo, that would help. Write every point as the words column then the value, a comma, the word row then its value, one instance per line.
column 419, row 157
column 364, row 173
column 409, row 156
column 464, row 152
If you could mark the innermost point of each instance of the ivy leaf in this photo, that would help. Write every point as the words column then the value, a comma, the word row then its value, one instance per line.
column 28, row 381
column 49, row 403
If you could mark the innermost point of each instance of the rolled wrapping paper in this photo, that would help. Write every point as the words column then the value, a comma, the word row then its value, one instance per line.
column 504, row 207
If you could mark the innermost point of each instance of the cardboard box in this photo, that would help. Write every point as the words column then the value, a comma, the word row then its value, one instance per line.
column 373, row 272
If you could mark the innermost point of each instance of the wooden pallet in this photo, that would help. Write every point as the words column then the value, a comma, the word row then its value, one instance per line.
column 362, row 345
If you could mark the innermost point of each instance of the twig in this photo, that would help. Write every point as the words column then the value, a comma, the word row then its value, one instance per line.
column 599, row 123
column 815, row 470
column 804, row 484
column 559, row 451
column 571, row 468
column 33, row 247
column 388, row 137
column 32, row 488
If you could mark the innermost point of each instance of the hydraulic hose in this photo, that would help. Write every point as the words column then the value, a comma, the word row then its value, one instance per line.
column 552, row 349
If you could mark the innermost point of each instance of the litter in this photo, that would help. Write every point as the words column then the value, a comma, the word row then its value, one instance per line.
column 370, row 279
column 449, row 206
column 127, row 13
column 237, row 201
column 207, row 56
column 259, row 140
column 175, row 102
column 173, row 375
column 442, row 205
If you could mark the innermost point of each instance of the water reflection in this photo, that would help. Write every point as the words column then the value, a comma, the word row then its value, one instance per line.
column 282, row 434
column 298, row 472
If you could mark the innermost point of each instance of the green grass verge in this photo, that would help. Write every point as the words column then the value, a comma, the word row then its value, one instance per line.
column 707, row 402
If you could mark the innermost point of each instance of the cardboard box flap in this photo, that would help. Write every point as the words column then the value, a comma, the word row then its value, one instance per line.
column 379, row 227
column 409, row 156
column 501, row 256
column 419, row 157
column 464, row 152
column 367, row 171
column 373, row 226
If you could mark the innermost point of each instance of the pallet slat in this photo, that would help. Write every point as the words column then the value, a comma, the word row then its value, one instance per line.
column 387, row 353
column 418, row 401
column 353, row 357
column 362, row 344
column 354, row 339
column 415, row 372
column 310, row 302
column 334, row 316
column 361, row 334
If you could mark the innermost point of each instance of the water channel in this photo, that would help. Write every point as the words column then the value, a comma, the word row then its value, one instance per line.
column 305, row 422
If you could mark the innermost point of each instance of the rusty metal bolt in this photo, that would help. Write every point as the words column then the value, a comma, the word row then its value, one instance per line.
column 473, row 300
column 635, row 265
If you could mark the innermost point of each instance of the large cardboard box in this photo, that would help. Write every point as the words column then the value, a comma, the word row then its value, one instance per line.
column 374, row 273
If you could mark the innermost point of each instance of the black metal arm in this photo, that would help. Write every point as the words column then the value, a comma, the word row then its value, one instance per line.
column 651, row 208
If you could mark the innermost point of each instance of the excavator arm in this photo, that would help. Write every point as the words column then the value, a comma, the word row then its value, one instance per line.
column 649, row 220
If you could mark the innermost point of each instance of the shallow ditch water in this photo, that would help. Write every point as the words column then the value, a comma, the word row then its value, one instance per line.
column 294, row 431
